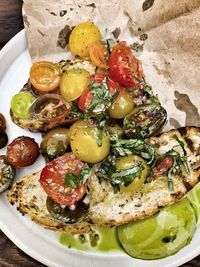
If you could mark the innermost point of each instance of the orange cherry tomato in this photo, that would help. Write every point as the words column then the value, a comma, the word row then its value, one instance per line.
column 45, row 76
column 98, row 55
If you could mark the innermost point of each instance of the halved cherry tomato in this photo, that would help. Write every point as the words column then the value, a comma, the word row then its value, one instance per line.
column 161, row 168
column 124, row 67
column 113, row 86
column 98, row 55
column 45, row 76
column 53, row 175
column 22, row 151
column 86, row 98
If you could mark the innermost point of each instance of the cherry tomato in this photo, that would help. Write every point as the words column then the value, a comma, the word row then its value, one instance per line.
column 2, row 123
column 45, row 76
column 3, row 139
column 123, row 66
column 53, row 175
column 86, row 98
column 162, row 167
column 98, row 55
column 22, row 151
column 21, row 103
column 81, row 37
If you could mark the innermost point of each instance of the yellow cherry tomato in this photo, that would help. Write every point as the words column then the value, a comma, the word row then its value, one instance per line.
column 122, row 106
column 77, row 124
column 73, row 83
column 127, row 163
column 45, row 76
column 81, row 37
column 84, row 141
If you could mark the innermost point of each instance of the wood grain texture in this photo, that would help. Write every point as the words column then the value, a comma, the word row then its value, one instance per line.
column 11, row 23
column 10, row 18
column 11, row 256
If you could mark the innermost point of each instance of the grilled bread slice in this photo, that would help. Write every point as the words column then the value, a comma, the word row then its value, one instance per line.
column 29, row 197
column 110, row 209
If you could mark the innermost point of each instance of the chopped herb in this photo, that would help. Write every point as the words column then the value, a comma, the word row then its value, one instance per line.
column 99, row 136
column 73, row 180
column 126, row 177
column 123, row 147
column 110, row 44
column 75, row 112
column 178, row 161
column 102, row 100
column 149, row 94
column 181, row 144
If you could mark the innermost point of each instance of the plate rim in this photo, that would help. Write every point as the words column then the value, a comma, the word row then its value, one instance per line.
column 21, row 36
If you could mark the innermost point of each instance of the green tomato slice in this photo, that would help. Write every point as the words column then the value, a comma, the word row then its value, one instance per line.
column 161, row 235
column 20, row 105
column 194, row 198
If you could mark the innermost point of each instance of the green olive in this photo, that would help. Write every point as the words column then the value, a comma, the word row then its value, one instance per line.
column 122, row 106
column 127, row 163
column 54, row 143
column 89, row 144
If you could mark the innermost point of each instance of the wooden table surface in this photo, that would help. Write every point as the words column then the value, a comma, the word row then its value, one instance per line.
column 10, row 24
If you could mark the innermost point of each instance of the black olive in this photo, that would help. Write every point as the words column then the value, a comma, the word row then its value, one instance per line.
column 67, row 215
column 7, row 173
column 3, row 139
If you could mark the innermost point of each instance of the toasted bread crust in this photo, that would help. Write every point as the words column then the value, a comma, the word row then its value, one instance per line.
column 109, row 209
column 30, row 199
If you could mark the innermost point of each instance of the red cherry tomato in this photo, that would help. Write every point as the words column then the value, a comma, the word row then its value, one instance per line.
column 86, row 98
column 162, row 167
column 124, row 67
column 53, row 175
column 22, row 151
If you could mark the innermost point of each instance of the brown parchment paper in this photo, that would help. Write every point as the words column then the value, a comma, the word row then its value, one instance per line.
column 165, row 35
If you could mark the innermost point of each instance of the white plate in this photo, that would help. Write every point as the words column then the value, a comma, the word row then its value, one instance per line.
column 42, row 244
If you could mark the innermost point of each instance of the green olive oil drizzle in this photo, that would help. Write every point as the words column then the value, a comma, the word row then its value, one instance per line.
column 100, row 239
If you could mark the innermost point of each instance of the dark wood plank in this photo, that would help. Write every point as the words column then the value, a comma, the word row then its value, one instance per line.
column 11, row 256
column 10, row 18
column 11, row 23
